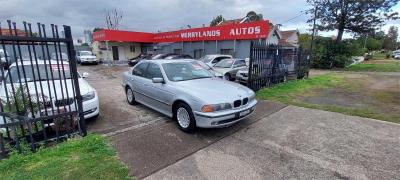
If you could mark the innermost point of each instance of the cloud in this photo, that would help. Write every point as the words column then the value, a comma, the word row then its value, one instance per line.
column 151, row 15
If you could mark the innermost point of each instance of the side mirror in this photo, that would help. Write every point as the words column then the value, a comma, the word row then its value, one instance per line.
column 158, row 80
column 85, row 75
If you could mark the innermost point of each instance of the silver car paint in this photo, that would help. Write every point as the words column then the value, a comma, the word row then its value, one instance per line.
column 196, row 93
column 231, row 70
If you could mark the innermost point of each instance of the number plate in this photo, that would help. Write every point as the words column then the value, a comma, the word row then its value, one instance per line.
column 244, row 113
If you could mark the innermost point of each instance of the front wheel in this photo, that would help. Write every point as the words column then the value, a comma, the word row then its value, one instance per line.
column 130, row 97
column 184, row 117
column 227, row 77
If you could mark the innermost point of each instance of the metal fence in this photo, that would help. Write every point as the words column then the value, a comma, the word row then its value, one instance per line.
column 40, row 96
column 271, row 64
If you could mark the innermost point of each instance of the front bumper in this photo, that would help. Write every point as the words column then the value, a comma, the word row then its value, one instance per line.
column 225, row 118
column 93, row 61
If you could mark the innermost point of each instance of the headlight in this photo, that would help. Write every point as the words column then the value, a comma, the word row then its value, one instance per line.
column 252, row 97
column 216, row 107
column 88, row 96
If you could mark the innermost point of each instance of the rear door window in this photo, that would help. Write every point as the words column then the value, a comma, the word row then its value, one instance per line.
column 140, row 69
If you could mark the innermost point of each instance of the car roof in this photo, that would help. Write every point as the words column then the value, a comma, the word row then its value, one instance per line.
column 215, row 55
column 38, row 62
column 163, row 61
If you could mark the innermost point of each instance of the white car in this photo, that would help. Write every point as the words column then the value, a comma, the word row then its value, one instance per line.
column 86, row 57
column 3, row 57
column 55, row 56
column 214, row 58
column 396, row 55
column 90, row 99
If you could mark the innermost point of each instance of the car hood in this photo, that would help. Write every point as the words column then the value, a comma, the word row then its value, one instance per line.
column 83, row 85
column 221, row 70
column 214, row 90
column 87, row 56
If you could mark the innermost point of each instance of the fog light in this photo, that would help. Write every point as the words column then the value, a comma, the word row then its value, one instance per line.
column 214, row 123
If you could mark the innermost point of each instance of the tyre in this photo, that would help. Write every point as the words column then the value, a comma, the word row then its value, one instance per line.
column 184, row 118
column 130, row 97
column 227, row 77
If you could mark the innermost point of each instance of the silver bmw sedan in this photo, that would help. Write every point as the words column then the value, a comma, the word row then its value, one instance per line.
column 187, row 92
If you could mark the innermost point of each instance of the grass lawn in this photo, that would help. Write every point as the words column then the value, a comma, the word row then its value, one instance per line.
column 84, row 158
column 346, row 93
column 376, row 66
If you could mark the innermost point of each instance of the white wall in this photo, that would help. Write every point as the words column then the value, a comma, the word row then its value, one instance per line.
column 124, row 50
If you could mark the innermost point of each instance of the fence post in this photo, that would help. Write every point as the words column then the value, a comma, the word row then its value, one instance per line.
column 71, row 54
column 2, row 148
column 249, row 76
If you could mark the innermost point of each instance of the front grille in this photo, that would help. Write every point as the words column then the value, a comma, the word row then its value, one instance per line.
column 245, row 100
column 63, row 102
column 237, row 103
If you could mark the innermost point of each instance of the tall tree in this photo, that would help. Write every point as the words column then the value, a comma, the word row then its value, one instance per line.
column 113, row 18
column 253, row 16
column 216, row 20
column 390, row 41
column 355, row 16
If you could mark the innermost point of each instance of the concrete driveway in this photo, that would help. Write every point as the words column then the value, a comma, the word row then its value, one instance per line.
column 115, row 113
column 298, row 143
column 276, row 142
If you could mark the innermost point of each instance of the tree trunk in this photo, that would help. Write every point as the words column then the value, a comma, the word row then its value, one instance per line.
column 340, row 35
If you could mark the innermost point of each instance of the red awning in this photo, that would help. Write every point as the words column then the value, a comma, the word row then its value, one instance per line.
column 252, row 30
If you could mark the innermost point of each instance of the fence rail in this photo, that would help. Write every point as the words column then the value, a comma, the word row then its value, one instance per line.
column 39, row 92
column 271, row 64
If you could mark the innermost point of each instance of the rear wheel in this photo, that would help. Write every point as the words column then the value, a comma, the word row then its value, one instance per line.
column 184, row 117
column 130, row 97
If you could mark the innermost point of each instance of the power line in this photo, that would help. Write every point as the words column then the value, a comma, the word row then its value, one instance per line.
column 293, row 18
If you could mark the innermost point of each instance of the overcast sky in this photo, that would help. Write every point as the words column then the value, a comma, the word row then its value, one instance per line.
column 153, row 15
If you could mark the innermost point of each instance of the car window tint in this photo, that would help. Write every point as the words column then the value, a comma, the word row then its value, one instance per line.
column 240, row 63
column 140, row 69
column 153, row 71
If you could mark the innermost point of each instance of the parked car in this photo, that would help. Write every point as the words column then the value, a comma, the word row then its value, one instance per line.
column 187, row 92
column 211, row 69
column 242, row 76
column 86, row 57
column 229, row 67
column 214, row 58
column 3, row 58
column 55, row 56
column 134, row 61
column 396, row 55
column 181, row 56
column 163, row 56
column 89, row 94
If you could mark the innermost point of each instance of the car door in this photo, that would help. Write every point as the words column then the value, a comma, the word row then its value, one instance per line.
column 238, row 65
column 137, row 81
column 158, row 95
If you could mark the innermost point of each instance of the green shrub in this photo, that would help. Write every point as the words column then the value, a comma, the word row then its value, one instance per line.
column 329, row 54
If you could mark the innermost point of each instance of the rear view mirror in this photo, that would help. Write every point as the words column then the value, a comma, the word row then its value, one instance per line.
column 85, row 75
column 158, row 80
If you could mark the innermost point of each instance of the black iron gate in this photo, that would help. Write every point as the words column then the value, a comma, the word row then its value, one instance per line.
column 39, row 92
column 271, row 64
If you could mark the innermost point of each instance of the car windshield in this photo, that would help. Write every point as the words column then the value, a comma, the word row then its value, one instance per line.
column 226, row 63
column 57, row 56
column 183, row 71
column 56, row 70
column 86, row 53
column 206, row 59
